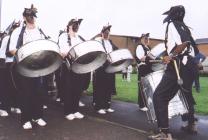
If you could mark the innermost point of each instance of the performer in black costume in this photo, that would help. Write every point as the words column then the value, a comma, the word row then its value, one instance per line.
column 177, row 32
column 104, row 83
column 30, row 89
column 72, row 84
column 144, row 67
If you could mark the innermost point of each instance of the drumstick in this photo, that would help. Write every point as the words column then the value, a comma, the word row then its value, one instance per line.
column 180, row 81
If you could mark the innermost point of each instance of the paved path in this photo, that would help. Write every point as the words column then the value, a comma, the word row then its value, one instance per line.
column 126, row 123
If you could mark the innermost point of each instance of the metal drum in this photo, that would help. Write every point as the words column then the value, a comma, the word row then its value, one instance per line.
column 118, row 60
column 158, row 52
column 87, row 56
column 177, row 105
column 38, row 58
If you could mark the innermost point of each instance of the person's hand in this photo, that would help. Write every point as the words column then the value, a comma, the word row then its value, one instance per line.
column 167, row 59
column 143, row 59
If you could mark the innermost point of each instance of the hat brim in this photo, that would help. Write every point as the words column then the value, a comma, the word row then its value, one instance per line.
column 106, row 28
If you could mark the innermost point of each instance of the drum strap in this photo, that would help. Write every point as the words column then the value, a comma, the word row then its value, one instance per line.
column 69, row 39
column 20, row 39
column 113, row 46
column 145, row 49
column 185, row 35
column 41, row 31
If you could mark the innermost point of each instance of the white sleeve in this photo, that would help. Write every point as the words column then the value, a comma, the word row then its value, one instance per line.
column 14, row 39
column 140, row 52
column 63, row 43
column 3, row 47
column 173, row 37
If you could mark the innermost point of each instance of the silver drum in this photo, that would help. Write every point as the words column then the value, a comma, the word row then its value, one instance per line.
column 38, row 58
column 118, row 60
column 87, row 56
column 177, row 105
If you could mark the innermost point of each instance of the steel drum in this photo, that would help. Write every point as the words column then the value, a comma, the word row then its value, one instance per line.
column 118, row 60
column 158, row 52
column 86, row 56
column 38, row 58
column 177, row 105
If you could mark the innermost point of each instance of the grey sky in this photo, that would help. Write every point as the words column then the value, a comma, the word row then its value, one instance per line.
column 132, row 17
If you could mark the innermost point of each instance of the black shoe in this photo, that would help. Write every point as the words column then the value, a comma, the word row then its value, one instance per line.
column 190, row 128
column 160, row 136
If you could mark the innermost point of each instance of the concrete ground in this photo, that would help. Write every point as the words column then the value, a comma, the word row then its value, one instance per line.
column 126, row 123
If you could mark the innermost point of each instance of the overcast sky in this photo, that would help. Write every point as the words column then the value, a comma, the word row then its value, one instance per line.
column 127, row 17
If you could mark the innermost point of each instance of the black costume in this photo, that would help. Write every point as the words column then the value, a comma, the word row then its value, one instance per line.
column 168, row 86
column 103, row 84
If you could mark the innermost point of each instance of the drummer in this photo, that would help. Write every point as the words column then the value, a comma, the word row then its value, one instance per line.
column 104, row 83
column 72, row 84
column 30, row 89
column 143, row 66
column 9, row 94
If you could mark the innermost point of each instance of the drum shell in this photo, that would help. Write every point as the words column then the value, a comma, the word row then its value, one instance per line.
column 158, row 52
column 38, row 58
column 177, row 105
column 118, row 60
column 87, row 56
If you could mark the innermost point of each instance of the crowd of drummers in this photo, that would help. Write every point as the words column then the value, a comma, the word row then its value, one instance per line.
column 25, row 88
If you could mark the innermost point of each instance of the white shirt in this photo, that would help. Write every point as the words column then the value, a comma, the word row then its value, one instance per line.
column 140, row 51
column 28, row 36
column 173, row 39
column 107, row 44
column 64, row 45
column 3, row 50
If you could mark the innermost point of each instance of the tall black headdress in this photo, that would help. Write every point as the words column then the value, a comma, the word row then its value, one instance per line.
column 32, row 11
column 176, row 13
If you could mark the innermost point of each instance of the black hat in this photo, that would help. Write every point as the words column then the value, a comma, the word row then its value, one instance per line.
column 105, row 28
column 145, row 35
column 30, row 11
column 72, row 21
column 175, row 13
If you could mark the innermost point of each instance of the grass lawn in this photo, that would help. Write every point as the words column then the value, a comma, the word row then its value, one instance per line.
column 127, row 91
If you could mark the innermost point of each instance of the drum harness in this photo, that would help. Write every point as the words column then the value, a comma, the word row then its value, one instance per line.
column 69, row 61
column 19, row 44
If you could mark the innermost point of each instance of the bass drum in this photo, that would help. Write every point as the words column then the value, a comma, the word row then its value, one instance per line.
column 86, row 56
column 118, row 60
column 177, row 105
column 38, row 58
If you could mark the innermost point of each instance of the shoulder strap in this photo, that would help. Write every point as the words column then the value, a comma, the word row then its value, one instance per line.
column 166, row 37
column 185, row 34
column 20, row 39
column 145, row 49
column 114, row 46
column 41, row 31
column 81, row 38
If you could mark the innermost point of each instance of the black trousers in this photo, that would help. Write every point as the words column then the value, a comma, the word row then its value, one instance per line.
column 8, row 90
column 102, row 88
column 167, row 89
column 4, row 98
column 143, row 70
column 73, row 85
column 31, row 98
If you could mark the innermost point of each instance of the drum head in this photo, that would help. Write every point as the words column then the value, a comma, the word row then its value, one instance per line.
column 118, row 60
column 87, row 56
column 41, row 61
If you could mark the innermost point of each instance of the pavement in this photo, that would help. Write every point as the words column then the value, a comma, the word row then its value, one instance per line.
column 126, row 123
